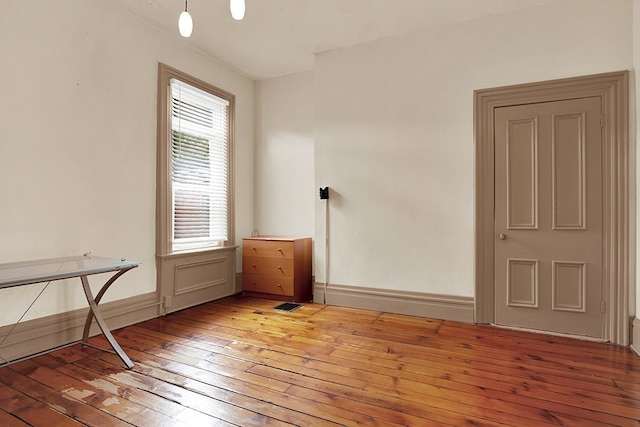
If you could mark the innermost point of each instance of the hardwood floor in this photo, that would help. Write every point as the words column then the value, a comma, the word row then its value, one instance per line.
column 239, row 362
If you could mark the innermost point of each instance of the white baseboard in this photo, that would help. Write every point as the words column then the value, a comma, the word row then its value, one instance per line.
column 446, row 307
column 635, row 338
column 38, row 335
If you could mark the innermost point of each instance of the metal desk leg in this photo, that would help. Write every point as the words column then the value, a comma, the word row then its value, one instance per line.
column 87, row 323
column 95, row 312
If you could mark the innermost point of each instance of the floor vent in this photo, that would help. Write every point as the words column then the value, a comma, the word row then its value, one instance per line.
column 287, row 306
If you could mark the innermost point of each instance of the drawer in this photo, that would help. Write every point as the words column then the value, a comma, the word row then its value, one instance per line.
column 269, row 266
column 267, row 284
column 267, row 249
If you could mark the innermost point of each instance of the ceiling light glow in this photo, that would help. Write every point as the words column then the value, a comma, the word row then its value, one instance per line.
column 237, row 8
column 185, row 22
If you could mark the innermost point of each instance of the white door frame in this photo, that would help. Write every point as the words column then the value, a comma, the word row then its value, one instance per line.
column 613, row 90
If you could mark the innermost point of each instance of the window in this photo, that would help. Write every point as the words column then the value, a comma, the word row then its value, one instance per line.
column 199, row 147
column 195, row 142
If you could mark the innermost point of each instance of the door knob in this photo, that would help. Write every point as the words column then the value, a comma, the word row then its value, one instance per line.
column 503, row 236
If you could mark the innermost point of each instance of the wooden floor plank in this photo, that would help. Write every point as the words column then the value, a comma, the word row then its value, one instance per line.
column 420, row 413
column 7, row 419
column 73, row 408
column 29, row 410
column 191, row 392
column 177, row 413
column 506, row 379
column 123, row 409
column 239, row 362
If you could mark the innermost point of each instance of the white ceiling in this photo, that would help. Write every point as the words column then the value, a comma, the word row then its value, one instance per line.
column 279, row 37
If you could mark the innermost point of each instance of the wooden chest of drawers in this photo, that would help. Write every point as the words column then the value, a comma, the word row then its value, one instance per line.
column 277, row 268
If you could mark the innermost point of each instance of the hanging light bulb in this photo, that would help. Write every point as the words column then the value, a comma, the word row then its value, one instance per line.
column 237, row 8
column 185, row 23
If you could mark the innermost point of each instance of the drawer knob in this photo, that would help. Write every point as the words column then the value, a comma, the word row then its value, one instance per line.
column 253, row 265
column 279, row 268
column 279, row 250
column 254, row 248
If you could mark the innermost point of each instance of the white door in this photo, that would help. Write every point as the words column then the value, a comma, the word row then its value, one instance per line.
column 549, row 216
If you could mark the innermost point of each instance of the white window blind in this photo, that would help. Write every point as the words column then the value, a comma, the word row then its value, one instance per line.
column 199, row 175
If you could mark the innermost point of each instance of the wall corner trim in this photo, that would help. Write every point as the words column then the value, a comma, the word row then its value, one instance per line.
column 446, row 307
column 635, row 337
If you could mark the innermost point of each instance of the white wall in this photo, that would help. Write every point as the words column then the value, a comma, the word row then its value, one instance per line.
column 78, row 145
column 284, row 185
column 394, row 135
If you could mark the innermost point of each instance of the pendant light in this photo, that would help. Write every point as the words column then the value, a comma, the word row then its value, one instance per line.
column 185, row 23
column 237, row 8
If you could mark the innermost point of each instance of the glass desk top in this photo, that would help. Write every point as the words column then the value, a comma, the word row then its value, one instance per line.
column 45, row 270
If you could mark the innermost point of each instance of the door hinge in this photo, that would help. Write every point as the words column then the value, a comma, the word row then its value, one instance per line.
column 601, row 120
column 603, row 306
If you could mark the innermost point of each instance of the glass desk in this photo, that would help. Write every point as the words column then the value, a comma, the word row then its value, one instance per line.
column 48, row 270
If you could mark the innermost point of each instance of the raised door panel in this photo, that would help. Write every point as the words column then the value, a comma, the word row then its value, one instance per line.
column 568, row 169
column 522, row 172
column 569, row 286
column 522, row 283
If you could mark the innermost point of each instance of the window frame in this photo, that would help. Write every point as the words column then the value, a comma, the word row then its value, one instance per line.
column 164, row 216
